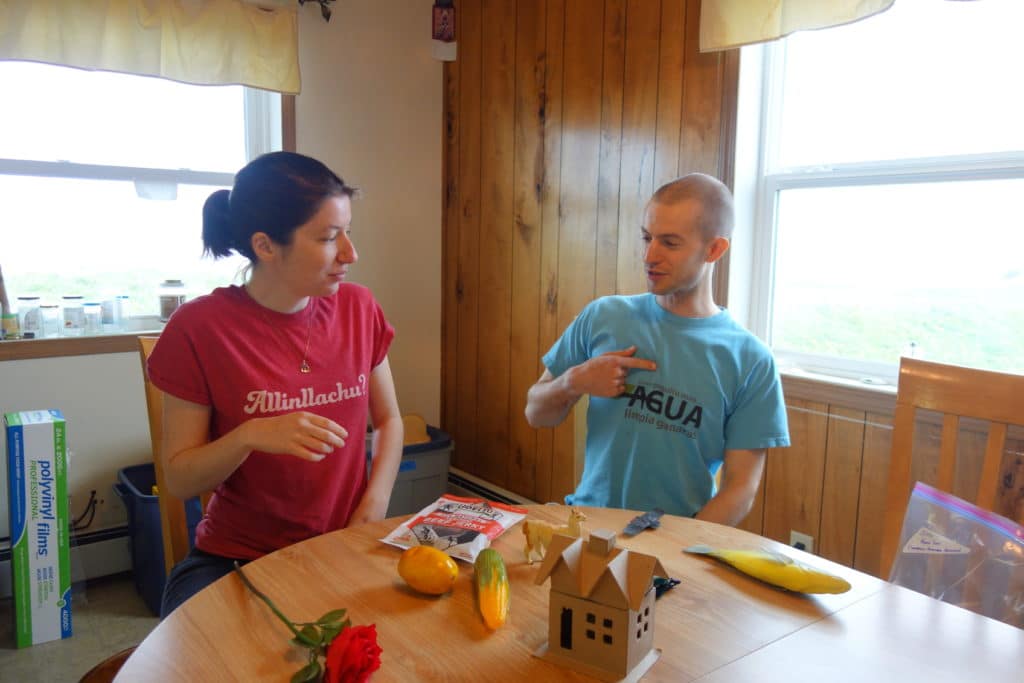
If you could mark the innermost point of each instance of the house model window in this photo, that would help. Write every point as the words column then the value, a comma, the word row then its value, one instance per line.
column 601, row 610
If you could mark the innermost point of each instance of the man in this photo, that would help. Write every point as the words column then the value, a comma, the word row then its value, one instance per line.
column 678, row 389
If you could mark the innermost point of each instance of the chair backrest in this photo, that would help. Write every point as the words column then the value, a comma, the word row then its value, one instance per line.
column 954, row 392
column 173, row 521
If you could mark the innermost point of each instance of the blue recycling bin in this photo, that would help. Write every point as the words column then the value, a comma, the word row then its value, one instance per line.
column 134, row 487
column 422, row 475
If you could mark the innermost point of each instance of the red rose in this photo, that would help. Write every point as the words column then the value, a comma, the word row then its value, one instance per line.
column 353, row 655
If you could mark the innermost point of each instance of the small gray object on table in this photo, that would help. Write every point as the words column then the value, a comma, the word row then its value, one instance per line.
column 648, row 520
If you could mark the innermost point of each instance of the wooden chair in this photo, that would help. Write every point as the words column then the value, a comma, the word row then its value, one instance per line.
column 173, row 523
column 955, row 392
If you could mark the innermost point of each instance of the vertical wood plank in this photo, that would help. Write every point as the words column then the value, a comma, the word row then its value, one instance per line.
column 639, row 124
column 467, row 283
column 670, row 91
column 970, row 455
column 924, row 453
column 897, row 490
column 550, row 216
column 947, row 452
column 449, row 248
column 699, row 137
column 528, row 184
column 1010, row 496
column 843, row 453
column 579, row 439
column 728, row 116
column 577, row 237
column 727, row 159
column 793, row 484
column 608, row 228
column 496, row 238
column 874, row 476
column 521, row 216
column 288, row 123
column 754, row 521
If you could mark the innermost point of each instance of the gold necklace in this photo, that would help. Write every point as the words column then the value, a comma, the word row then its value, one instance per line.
column 304, row 365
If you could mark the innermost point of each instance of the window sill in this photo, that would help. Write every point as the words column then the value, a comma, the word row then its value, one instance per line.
column 849, row 393
column 27, row 349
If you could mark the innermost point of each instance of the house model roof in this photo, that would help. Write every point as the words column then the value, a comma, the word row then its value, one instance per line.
column 596, row 569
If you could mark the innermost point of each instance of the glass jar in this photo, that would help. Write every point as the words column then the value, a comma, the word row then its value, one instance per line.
column 115, row 313
column 51, row 320
column 172, row 295
column 9, row 326
column 123, row 310
column 92, row 317
column 74, row 316
column 108, row 315
column 28, row 315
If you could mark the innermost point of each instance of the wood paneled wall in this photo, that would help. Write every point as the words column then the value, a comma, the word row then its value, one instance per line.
column 830, row 484
column 561, row 118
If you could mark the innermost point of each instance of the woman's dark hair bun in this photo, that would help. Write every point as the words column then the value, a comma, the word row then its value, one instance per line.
column 275, row 194
column 218, row 237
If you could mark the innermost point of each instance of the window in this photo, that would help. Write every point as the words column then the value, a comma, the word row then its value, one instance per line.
column 886, row 205
column 103, row 178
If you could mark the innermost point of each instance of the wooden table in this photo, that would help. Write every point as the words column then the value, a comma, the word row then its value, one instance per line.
column 717, row 625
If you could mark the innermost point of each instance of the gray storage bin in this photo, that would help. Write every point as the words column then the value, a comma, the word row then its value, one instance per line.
column 423, row 474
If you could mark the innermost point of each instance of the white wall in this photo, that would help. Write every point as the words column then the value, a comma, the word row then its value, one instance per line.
column 103, row 401
column 370, row 109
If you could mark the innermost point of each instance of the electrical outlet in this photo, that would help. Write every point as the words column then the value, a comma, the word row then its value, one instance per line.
column 801, row 541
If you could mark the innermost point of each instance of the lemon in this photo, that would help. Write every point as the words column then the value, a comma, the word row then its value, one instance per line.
column 428, row 570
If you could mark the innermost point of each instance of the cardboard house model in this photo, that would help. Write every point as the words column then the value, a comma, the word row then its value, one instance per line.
column 601, row 610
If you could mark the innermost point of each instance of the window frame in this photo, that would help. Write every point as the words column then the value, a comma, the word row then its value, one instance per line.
column 766, row 181
column 269, row 125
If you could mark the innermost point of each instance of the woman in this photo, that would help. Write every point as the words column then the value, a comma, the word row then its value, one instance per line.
column 269, row 385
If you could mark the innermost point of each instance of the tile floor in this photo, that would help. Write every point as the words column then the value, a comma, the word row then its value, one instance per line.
column 107, row 616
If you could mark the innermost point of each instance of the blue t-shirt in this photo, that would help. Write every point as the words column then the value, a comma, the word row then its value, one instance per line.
column 661, row 442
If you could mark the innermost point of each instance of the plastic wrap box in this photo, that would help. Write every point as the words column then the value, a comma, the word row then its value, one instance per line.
column 423, row 474
column 135, row 488
column 37, row 461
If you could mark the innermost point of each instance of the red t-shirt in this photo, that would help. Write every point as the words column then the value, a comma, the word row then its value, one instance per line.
column 225, row 351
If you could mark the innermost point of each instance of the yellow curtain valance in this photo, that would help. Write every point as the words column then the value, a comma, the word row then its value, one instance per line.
column 207, row 42
column 726, row 24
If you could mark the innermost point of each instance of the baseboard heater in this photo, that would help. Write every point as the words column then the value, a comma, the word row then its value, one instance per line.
column 93, row 554
column 463, row 483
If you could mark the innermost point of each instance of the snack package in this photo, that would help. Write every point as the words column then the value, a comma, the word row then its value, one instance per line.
column 461, row 527
column 959, row 553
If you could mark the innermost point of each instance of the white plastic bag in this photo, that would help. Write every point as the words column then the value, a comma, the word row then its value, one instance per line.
column 461, row 527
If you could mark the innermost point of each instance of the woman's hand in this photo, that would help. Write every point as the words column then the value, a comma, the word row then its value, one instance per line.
column 302, row 434
column 370, row 509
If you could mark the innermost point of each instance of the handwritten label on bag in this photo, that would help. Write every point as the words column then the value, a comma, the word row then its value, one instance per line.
column 927, row 542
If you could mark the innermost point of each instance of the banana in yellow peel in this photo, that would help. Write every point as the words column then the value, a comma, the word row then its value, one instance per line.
column 776, row 569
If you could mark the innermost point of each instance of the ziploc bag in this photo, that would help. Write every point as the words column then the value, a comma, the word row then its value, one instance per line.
column 461, row 527
column 959, row 553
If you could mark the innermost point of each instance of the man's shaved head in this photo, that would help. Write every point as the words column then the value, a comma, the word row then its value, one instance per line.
column 716, row 217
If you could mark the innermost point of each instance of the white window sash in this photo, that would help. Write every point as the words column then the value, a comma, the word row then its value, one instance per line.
column 66, row 169
column 770, row 180
column 262, row 111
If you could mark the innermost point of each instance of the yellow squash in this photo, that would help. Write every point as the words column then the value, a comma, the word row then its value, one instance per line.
column 428, row 570
column 776, row 569
column 492, row 590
